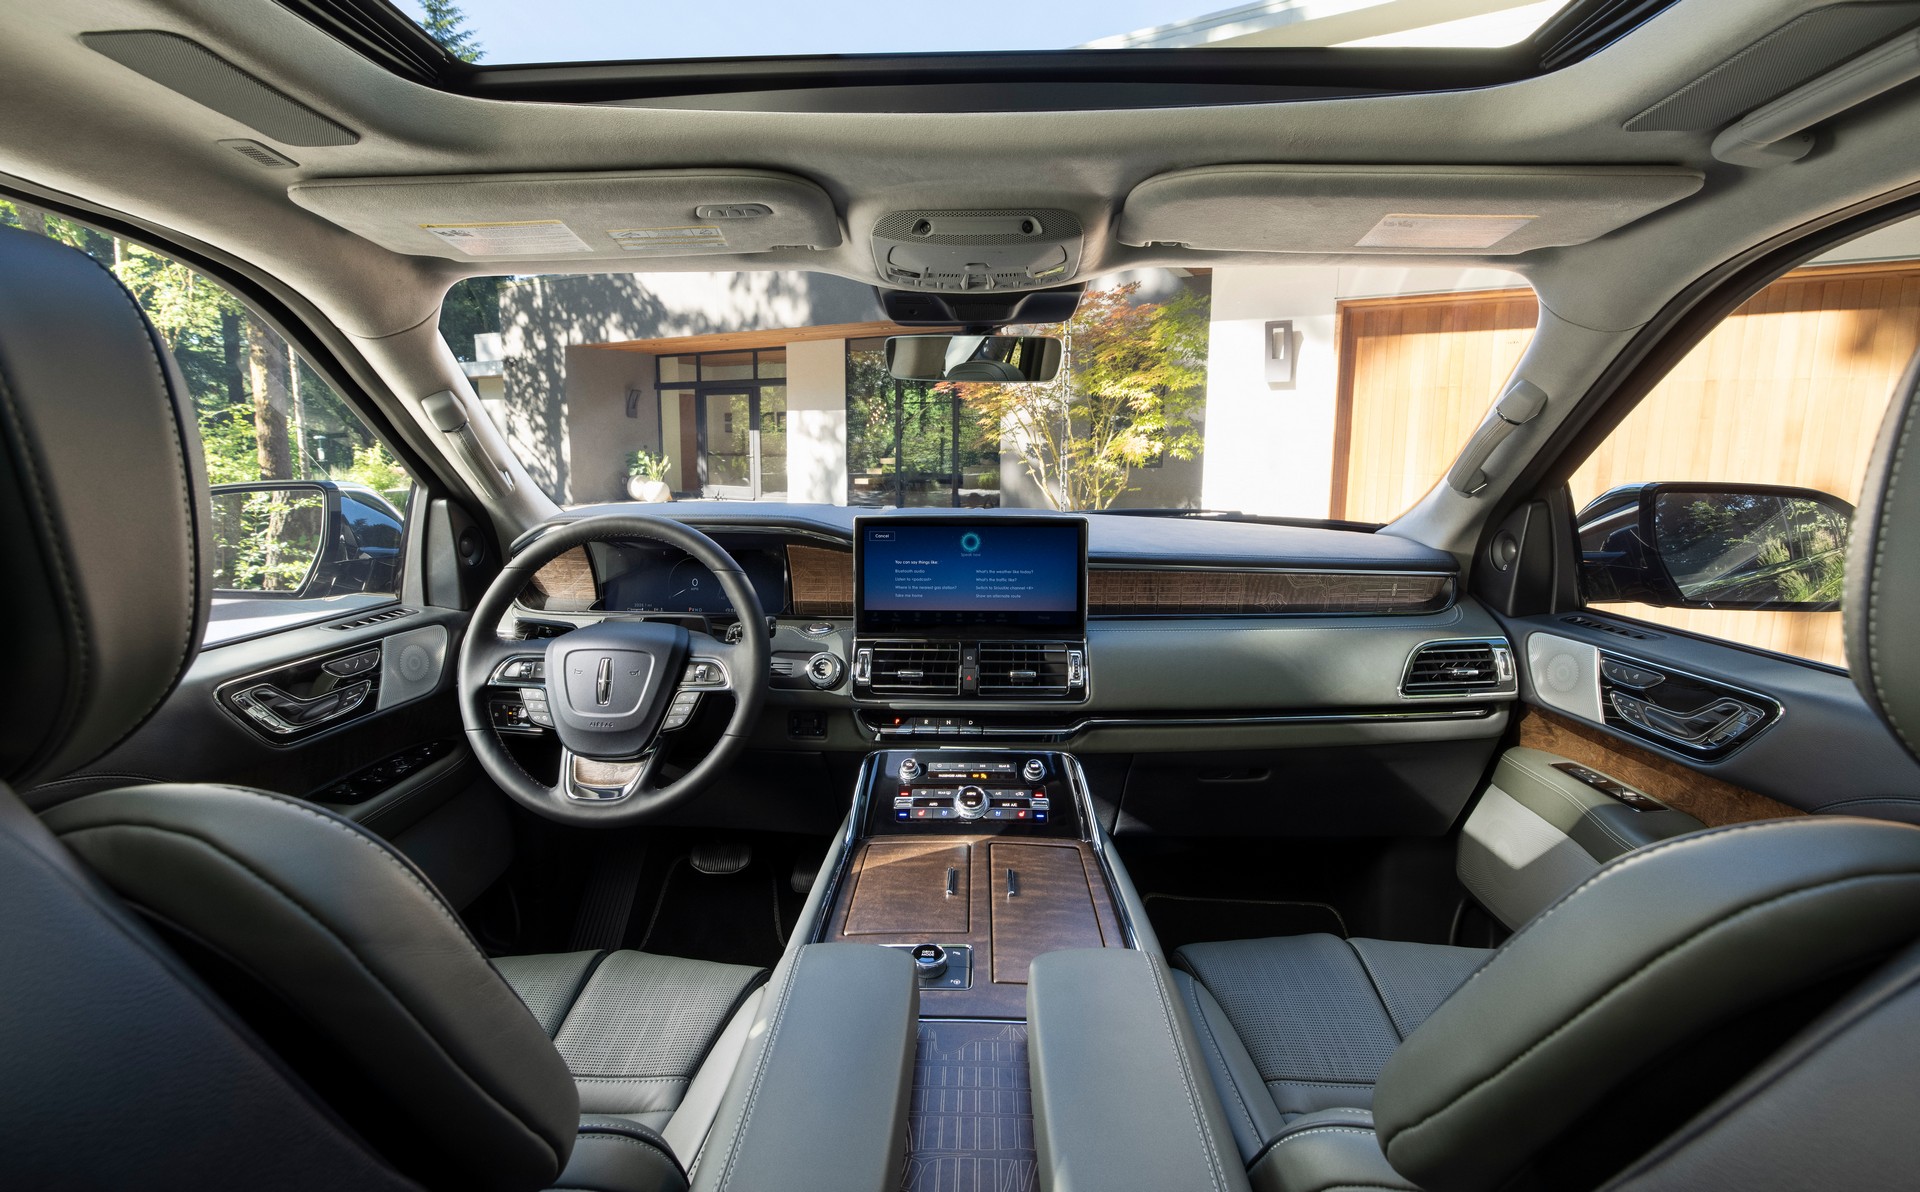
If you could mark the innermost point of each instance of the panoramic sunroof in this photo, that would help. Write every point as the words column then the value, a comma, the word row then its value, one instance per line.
column 511, row 32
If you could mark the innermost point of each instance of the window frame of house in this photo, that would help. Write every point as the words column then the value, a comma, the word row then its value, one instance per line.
column 700, row 389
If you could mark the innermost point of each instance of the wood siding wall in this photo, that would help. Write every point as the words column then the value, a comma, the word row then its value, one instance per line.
column 1790, row 389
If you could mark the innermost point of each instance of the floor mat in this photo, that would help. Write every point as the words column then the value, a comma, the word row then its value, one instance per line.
column 1179, row 920
column 734, row 918
column 970, row 1122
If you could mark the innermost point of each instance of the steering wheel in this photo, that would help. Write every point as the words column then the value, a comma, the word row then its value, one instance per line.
column 615, row 692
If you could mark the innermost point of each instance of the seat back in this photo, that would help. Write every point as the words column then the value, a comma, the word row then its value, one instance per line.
column 1655, row 1022
column 143, row 988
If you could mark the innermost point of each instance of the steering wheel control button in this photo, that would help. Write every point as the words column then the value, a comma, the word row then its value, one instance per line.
column 1034, row 770
column 825, row 670
column 971, row 802
column 929, row 961
column 704, row 672
column 680, row 711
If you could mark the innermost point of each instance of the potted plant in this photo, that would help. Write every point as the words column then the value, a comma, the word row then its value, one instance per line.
column 647, row 476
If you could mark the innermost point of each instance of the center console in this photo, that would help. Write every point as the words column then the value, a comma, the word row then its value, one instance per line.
column 974, row 862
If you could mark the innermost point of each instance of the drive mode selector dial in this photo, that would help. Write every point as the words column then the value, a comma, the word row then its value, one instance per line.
column 971, row 802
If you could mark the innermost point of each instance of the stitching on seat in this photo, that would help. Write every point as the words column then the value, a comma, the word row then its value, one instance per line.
column 760, row 1069
column 1192, row 996
column 1379, row 994
column 1617, row 865
column 271, row 888
column 1210, row 1147
column 1576, row 804
column 633, row 1079
column 1286, row 1138
column 1612, row 990
column 1873, row 583
column 380, row 849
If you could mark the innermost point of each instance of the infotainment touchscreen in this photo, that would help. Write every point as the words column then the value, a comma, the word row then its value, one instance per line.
column 1012, row 572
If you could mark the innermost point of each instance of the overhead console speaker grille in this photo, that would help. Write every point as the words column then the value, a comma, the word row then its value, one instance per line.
column 1803, row 48
column 193, row 70
column 977, row 250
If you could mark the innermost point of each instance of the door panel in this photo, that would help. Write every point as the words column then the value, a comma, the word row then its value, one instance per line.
column 394, row 764
column 1825, row 751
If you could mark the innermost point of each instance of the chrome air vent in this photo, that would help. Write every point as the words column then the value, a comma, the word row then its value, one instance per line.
column 1024, row 669
column 391, row 614
column 915, row 668
column 1459, row 668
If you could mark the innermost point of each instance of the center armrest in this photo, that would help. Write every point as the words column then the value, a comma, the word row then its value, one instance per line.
column 1121, row 1097
column 819, row 1101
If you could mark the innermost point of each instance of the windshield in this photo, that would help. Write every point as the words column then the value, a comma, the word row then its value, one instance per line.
column 1324, row 393
column 510, row 31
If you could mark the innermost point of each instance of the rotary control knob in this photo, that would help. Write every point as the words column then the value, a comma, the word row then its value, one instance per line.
column 909, row 768
column 929, row 961
column 825, row 670
column 1034, row 770
column 971, row 802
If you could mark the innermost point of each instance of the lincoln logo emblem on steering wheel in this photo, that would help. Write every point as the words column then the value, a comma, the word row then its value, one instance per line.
column 603, row 685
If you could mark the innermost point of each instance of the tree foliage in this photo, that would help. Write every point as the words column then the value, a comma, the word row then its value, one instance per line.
column 446, row 24
column 228, row 355
column 1131, row 383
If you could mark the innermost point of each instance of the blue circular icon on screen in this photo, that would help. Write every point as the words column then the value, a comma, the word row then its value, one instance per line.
column 969, row 541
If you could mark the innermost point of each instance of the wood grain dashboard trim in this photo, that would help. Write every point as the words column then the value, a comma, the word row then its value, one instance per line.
column 821, row 579
column 1175, row 592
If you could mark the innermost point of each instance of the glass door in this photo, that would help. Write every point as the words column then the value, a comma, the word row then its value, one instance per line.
column 744, row 443
column 727, row 434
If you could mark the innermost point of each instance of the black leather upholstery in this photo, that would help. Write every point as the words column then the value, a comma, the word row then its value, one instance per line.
column 351, row 938
column 1334, row 1150
column 1651, row 954
column 616, row 1154
column 1303, row 1023
column 1121, row 1097
column 632, row 1027
column 1883, row 570
column 101, row 512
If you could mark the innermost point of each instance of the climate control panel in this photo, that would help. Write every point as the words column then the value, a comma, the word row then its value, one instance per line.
column 964, row 790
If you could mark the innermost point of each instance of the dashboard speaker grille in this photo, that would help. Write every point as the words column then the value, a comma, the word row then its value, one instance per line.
column 1023, row 668
column 916, row 668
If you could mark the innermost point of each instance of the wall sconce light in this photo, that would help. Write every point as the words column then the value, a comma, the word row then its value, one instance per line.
column 1281, row 350
column 633, row 403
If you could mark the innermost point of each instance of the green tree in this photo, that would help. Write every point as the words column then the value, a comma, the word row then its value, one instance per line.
column 471, row 307
column 1131, row 382
column 446, row 24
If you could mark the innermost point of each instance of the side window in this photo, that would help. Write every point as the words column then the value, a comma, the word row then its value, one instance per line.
column 307, row 504
column 1721, row 506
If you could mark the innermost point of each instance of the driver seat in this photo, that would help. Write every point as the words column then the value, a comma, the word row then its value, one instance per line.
column 213, row 986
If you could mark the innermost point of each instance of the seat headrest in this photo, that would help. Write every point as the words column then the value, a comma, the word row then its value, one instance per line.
column 102, row 510
column 1883, row 570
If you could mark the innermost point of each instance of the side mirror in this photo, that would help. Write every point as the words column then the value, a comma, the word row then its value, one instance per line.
column 994, row 359
column 1718, row 546
column 268, row 537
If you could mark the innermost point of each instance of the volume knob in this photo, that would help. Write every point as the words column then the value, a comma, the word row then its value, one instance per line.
column 1034, row 770
column 971, row 802
column 909, row 767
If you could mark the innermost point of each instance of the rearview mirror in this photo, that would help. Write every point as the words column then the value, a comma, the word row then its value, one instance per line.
column 994, row 359
column 1719, row 546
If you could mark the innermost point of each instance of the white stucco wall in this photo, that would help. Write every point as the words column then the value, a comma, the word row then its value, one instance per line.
column 1270, row 449
column 817, row 421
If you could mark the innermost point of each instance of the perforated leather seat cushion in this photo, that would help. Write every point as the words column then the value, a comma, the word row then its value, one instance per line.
column 633, row 1027
column 1316, row 1015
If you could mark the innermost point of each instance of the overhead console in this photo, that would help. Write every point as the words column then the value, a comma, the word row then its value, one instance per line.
column 959, row 609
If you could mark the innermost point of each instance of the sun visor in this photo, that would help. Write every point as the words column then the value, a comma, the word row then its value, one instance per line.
column 590, row 217
column 1407, row 210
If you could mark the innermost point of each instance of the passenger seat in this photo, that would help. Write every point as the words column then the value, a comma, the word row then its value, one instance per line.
column 1302, row 1023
